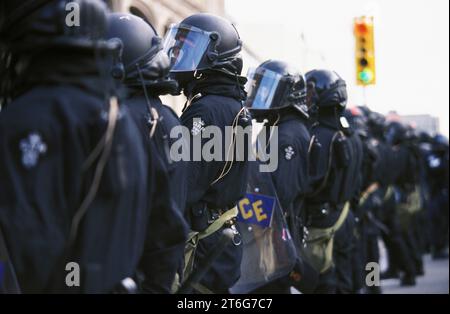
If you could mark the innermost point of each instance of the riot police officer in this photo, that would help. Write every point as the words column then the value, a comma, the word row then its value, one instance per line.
column 335, row 177
column 407, row 190
column 144, row 69
column 438, row 169
column 364, row 206
column 66, row 193
column 286, row 109
column 380, row 205
column 204, row 50
column 374, row 171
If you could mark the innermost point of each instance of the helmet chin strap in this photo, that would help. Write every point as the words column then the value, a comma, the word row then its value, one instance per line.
column 337, row 118
column 241, row 96
column 154, row 116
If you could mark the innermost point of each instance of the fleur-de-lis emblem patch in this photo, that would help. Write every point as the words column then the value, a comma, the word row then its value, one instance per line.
column 289, row 152
column 32, row 147
column 197, row 126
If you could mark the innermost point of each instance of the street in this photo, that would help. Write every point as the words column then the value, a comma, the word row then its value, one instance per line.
column 435, row 280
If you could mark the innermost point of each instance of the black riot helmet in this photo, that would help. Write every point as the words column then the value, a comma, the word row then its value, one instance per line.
column 143, row 61
column 365, row 111
column 376, row 123
column 326, row 89
column 357, row 120
column 276, row 86
column 425, row 137
column 204, row 42
column 34, row 28
column 59, row 23
column 396, row 133
column 411, row 133
column 440, row 143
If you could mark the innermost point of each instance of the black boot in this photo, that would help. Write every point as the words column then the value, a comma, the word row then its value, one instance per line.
column 373, row 290
column 440, row 255
column 389, row 274
column 408, row 280
column 420, row 270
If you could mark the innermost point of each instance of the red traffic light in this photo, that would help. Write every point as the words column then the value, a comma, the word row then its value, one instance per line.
column 361, row 28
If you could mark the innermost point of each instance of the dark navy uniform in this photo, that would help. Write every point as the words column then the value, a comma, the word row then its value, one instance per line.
column 209, row 76
column 438, row 170
column 144, row 69
column 46, row 136
column 397, row 172
column 168, row 229
column 176, row 169
column 218, row 104
column 345, row 241
column 287, row 111
column 409, row 202
column 331, row 182
column 361, row 206
column 291, row 177
column 335, row 184
column 167, row 120
column 291, row 184
column 336, row 179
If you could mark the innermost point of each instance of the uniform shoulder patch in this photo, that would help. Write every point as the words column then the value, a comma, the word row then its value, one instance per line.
column 198, row 125
column 32, row 147
column 289, row 152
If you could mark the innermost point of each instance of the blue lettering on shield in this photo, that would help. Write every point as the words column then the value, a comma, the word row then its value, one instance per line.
column 256, row 209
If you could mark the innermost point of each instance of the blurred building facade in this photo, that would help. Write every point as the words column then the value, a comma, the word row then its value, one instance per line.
column 424, row 122
column 162, row 13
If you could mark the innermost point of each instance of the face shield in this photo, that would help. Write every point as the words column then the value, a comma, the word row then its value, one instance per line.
column 186, row 46
column 267, row 89
column 262, row 86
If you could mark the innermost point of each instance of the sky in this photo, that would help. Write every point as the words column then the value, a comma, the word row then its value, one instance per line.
column 411, row 46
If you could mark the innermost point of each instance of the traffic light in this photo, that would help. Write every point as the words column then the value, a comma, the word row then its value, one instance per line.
column 365, row 51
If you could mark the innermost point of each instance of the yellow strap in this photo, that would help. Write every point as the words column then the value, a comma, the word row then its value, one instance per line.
column 195, row 236
column 369, row 191
column 342, row 217
column 175, row 284
column 329, row 232
column 218, row 223
column 389, row 192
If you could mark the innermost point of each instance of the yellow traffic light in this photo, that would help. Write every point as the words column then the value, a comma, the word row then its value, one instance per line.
column 364, row 51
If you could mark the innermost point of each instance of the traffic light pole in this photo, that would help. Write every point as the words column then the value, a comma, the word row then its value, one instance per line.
column 364, row 95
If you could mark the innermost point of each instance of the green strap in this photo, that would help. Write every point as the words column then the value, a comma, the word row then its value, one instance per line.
column 389, row 193
column 329, row 232
column 367, row 193
column 218, row 223
column 342, row 217
column 194, row 237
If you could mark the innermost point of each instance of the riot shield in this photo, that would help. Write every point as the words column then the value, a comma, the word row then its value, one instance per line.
column 268, row 249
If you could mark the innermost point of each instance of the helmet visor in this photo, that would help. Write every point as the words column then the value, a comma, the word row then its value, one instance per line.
column 261, row 88
column 186, row 46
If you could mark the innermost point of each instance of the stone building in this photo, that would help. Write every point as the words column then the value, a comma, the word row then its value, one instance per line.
column 162, row 13
column 423, row 122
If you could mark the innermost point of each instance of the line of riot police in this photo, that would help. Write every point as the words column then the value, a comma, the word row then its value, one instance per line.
column 87, row 177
